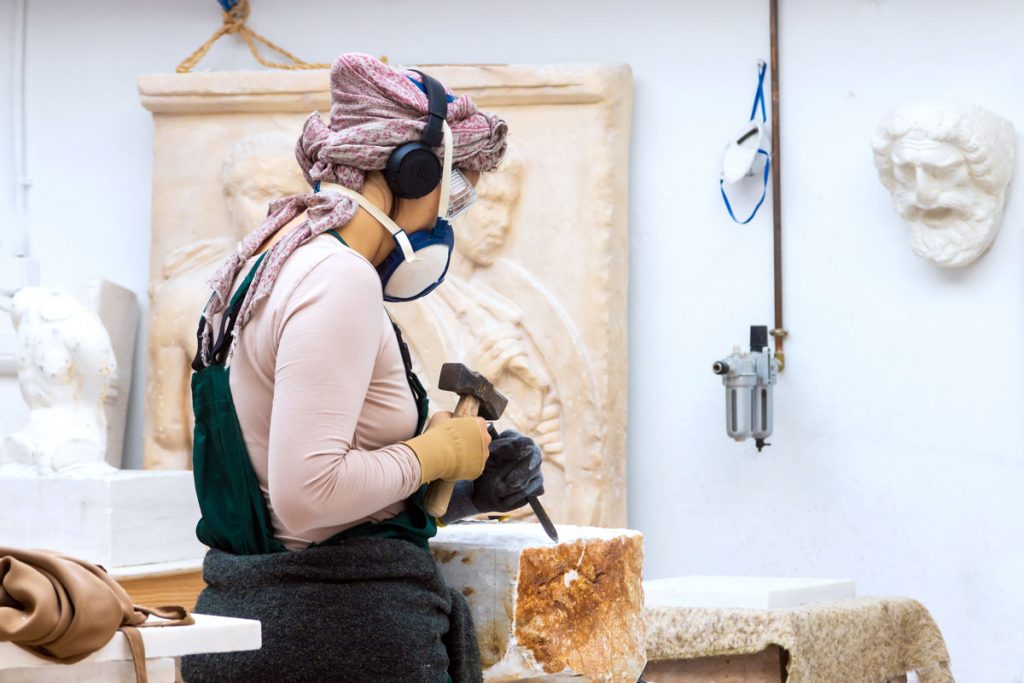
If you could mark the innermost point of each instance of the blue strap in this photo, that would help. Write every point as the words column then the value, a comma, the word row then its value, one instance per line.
column 762, row 68
column 764, row 191
column 759, row 96
column 228, row 5
column 423, row 89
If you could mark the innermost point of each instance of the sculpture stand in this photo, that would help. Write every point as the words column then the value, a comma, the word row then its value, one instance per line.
column 115, row 519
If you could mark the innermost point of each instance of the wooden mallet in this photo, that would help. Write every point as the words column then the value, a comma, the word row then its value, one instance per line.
column 477, row 396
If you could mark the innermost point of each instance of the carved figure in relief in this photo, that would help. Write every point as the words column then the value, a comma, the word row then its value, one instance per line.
column 258, row 169
column 65, row 365
column 495, row 339
column 479, row 317
column 948, row 167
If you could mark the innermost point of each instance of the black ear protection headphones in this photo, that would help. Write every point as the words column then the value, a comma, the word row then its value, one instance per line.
column 413, row 170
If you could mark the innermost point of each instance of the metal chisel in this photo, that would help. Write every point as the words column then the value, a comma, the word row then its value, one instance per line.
column 538, row 509
column 542, row 517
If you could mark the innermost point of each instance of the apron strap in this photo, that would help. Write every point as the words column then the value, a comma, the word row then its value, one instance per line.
column 334, row 233
column 227, row 323
column 419, row 393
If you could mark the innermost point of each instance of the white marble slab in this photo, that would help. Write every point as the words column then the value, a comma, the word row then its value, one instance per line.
column 156, row 569
column 208, row 634
column 157, row 670
column 126, row 518
column 749, row 592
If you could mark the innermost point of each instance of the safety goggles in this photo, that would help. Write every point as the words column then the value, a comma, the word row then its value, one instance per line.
column 462, row 195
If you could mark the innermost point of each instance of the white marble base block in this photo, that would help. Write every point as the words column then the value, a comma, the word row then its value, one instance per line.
column 546, row 611
column 122, row 518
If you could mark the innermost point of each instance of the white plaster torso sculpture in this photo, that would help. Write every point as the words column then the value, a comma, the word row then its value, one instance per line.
column 256, row 170
column 948, row 167
column 65, row 365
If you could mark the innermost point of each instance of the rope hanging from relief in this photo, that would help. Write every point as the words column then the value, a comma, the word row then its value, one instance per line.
column 234, row 14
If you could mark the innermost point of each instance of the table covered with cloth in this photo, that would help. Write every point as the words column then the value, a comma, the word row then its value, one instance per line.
column 858, row 640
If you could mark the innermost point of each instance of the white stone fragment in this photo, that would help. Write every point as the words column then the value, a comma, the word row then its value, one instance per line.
column 118, row 309
column 745, row 592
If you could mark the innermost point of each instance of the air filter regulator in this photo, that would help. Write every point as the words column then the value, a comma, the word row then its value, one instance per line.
column 749, row 378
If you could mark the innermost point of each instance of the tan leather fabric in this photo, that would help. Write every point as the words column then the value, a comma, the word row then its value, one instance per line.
column 63, row 609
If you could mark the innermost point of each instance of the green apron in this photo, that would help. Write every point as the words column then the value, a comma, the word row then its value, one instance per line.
column 234, row 514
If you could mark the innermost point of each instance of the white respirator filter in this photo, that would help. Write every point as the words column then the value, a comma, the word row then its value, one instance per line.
column 414, row 276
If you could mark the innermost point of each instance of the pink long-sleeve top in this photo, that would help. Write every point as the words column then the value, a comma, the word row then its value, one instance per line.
column 322, row 398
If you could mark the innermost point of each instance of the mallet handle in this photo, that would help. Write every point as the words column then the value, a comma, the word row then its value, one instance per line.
column 439, row 493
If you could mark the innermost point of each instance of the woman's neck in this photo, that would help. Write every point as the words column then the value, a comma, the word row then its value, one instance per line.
column 363, row 233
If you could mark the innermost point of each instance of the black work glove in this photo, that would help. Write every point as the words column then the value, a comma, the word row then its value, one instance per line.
column 512, row 473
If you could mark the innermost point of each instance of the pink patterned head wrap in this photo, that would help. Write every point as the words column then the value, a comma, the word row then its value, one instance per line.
column 374, row 109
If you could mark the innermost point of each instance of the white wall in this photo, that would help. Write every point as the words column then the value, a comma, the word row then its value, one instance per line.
column 6, row 145
column 897, row 459
column 12, row 413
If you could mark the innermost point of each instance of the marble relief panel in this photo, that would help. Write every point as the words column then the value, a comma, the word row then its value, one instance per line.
column 536, row 296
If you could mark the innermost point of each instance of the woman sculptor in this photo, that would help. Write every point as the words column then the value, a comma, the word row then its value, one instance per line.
column 311, row 458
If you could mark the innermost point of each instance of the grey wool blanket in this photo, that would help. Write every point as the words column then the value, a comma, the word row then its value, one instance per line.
column 362, row 610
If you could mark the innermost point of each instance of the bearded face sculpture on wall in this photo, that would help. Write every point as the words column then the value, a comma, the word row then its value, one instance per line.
column 948, row 167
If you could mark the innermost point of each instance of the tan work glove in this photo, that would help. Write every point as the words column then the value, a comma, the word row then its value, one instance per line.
column 451, row 448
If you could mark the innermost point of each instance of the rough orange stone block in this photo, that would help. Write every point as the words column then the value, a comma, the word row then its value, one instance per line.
column 545, row 610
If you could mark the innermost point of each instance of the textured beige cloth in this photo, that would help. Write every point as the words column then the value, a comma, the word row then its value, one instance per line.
column 861, row 640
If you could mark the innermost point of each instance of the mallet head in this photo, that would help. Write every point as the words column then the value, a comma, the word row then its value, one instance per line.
column 460, row 379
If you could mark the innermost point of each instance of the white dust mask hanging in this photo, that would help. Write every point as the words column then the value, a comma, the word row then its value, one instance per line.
column 746, row 156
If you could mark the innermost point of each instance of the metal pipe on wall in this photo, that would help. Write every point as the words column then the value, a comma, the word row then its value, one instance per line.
column 779, row 332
